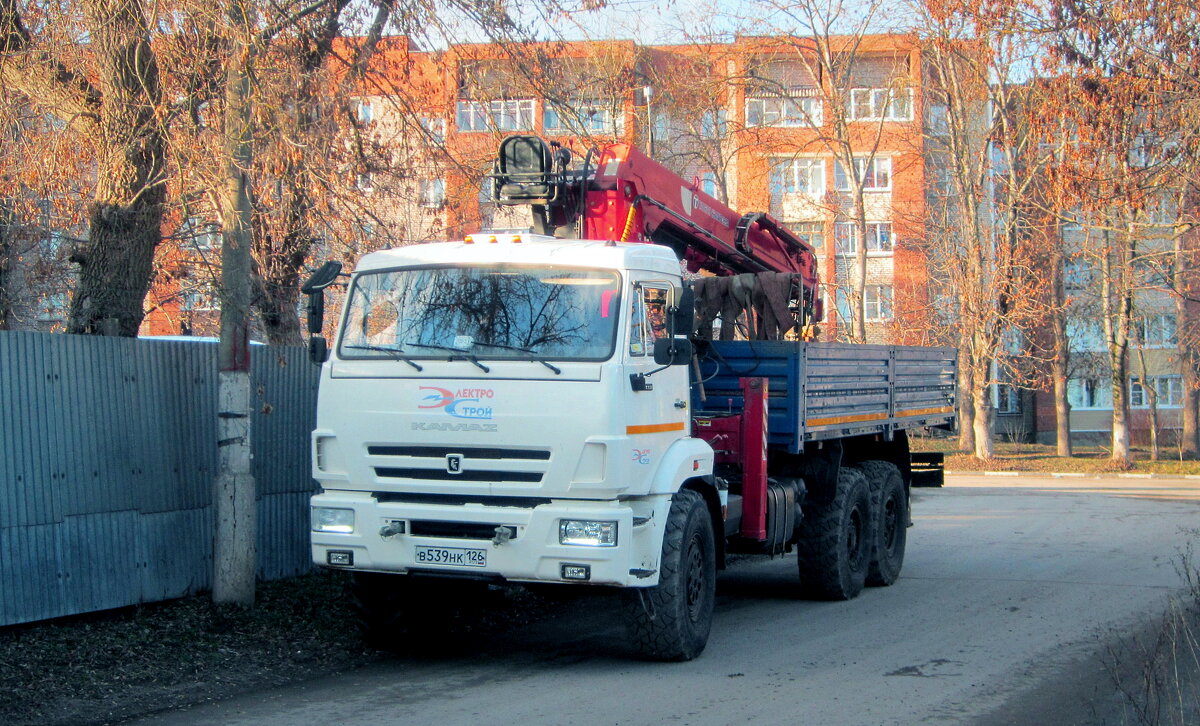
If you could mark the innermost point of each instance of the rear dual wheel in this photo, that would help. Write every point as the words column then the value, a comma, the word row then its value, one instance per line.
column 836, row 537
column 890, row 510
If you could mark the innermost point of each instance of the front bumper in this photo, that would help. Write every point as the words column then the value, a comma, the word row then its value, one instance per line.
column 532, row 555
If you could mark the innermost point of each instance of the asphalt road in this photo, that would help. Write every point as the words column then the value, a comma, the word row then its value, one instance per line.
column 1011, row 588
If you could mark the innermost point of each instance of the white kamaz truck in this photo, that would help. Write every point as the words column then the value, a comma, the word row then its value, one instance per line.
column 551, row 406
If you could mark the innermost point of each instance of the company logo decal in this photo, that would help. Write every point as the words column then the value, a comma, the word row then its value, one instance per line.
column 686, row 197
column 463, row 403
column 642, row 456
column 454, row 463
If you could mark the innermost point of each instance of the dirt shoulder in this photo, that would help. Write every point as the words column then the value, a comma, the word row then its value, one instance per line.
column 108, row 667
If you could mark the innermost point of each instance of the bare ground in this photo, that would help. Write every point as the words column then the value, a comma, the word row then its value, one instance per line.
column 105, row 668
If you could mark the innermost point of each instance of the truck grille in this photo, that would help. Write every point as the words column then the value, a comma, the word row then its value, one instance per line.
column 470, row 463
column 457, row 530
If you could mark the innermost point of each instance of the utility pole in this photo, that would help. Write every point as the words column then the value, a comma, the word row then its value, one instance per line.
column 235, row 560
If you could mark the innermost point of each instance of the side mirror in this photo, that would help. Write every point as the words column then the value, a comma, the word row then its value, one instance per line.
column 672, row 351
column 318, row 349
column 683, row 314
column 314, row 288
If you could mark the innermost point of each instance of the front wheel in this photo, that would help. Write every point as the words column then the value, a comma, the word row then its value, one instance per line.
column 671, row 621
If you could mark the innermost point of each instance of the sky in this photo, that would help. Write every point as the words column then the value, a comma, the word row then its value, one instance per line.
column 661, row 22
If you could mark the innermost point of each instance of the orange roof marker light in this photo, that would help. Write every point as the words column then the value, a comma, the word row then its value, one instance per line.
column 492, row 239
column 469, row 240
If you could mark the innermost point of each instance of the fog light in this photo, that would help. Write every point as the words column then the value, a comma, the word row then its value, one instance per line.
column 576, row 572
column 587, row 533
column 329, row 519
column 340, row 558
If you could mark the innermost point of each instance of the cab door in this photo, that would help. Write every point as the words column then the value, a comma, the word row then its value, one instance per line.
column 656, row 406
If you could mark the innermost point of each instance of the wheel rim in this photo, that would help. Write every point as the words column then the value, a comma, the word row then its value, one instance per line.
column 854, row 528
column 695, row 577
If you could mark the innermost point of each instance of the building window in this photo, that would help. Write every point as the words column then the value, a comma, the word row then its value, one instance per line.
column 1168, row 388
column 1078, row 275
column 877, row 302
column 796, row 176
column 504, row 115
column 1089, row 393
column 708, row 183
column 434, row 128
column 364, row 110
column 880, row 104
column 1156, row 331
column 939, row 120
column 811, row 232
column 713, row 125
column 784, row 112
column 593, row 116
column 875, row 173
column 1007, row 398
column 879, row 238
column 432, row 193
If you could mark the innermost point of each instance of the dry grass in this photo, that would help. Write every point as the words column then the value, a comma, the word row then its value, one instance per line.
column 1042, row 458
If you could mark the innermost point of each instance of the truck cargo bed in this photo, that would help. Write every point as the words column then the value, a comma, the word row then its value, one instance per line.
column 819, row 391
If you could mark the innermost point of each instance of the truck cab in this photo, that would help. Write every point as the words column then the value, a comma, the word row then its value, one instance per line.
column 492, row 409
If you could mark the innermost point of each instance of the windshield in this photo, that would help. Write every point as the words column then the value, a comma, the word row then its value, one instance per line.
column 494, row 312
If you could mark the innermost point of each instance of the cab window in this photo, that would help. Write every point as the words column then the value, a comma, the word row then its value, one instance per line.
column 648, row 317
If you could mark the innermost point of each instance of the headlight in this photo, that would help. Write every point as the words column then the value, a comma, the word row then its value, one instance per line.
column 587, row 532
column 328, row 519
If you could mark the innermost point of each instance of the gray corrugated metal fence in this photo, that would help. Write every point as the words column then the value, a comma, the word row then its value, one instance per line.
column 107, row 454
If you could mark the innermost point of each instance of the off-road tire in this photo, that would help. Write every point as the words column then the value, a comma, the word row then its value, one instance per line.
column 889, row 502
column 671, row 621
column 835, row 541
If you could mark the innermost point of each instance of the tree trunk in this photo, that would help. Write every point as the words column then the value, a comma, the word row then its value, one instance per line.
column 234, row 555
column 1062, row 412
column 125, row 219
column 1189, row 435
column 984, row 445
column 1122, row 454
column 1188, row 445
column 966, row 403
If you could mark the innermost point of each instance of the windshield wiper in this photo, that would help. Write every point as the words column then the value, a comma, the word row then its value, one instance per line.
column 456, row 354
column 531, row 353
column 396, row 353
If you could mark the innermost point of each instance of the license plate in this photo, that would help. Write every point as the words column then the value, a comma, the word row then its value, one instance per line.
column 454, row 556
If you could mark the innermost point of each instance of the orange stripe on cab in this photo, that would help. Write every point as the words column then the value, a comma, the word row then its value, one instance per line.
column 654, row 428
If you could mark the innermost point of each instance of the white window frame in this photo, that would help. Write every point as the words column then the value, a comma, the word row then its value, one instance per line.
column 592, row 115
column 877, row 306
column 797, row 169
column 878, row 166
column 785, row 111
column 434, row 126
column 880, row 240
column 510, row 114
column 880, row 104
column 1159, row 330
column 1089, row 394
column 1169, row 388
column 364, row 111
column 431, row 193
column 811, row 232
